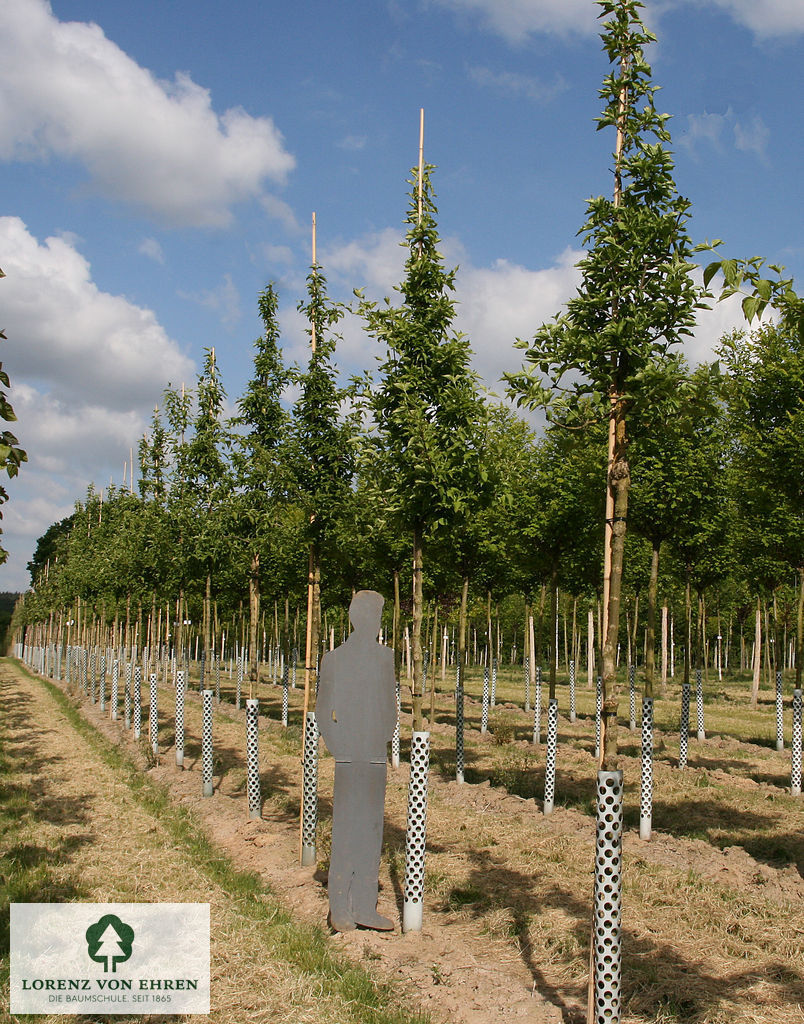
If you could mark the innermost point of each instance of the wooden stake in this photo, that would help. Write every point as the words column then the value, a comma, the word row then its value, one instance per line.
column 421, row 160
column 312, row 321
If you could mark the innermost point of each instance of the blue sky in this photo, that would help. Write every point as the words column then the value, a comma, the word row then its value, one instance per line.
column 161, row 161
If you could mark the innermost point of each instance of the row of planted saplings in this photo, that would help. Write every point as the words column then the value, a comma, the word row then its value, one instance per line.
column 89, row 670
column 646, row 782
column 90, row 667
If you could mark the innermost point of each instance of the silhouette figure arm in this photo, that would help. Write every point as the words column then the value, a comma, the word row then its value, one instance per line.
column 326, row 704
column 388, row 684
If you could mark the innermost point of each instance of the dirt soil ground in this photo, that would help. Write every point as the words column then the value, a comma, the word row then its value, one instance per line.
column 500, row 874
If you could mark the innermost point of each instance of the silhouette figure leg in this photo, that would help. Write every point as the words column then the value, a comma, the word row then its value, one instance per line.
column 357, row 823
column 365, row 884
column 341, row 869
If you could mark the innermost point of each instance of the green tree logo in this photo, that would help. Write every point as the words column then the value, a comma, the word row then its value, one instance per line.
column 109, row 942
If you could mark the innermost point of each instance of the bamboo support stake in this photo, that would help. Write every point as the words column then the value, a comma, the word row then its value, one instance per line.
column 310, row 594
column 421, row 162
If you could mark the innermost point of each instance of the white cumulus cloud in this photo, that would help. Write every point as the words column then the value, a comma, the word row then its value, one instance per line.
column 747, row 133
column 152, row 249
column 86, row 370
column 64, row 331
column 514, row 84
column 515, row 20
column 68, row 91
column 766, row 18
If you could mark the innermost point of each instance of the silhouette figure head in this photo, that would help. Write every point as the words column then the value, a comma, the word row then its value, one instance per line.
column 365, row 612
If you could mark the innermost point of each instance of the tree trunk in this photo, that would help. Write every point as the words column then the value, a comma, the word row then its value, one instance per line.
column 433, row 661
column 395, row 627
column 619, row 484
column 254, row 618
column 537, row 658
column 590, row 648
column 418, row 610
column 650, row 646
column 574, row 646
column 462, row 631
column 554, row 620
column 312, row 630
column 688, row 645
column 800, row 628
column 757, row 666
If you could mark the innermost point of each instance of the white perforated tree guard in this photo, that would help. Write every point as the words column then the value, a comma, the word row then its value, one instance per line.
column 239, row 682
column 253, row 758
column 309, row 790
column 572, row 715
column 115, row 688
column 206, row 743
column 293, row 667
column 217, row 679
column 102, row 686
column 685, row 725
column 93, row 682
column 127, row 697
column 285, row 695
column 395, row 751
column 493, row 682
column 459, row 754
column 608, row 898
column 646, row 778
column 416, row 835
column 699, row 704
column 526, row 664
column 484, row 715
column 537, row 707
column 180, row 719
column 598, row 712
column 153, row 723
column 632, row 696
column 550, row 760
column 779, row 713
column 137, row 702
column 795, row 759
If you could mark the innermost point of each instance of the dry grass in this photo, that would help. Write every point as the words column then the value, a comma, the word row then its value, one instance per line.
column 713, row 905
column 96, row 837
column 709, row 937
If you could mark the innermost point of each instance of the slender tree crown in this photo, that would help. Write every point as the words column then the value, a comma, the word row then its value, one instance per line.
column 427, row 408
column 637, row 298
column 261, row 412
column 323, row 440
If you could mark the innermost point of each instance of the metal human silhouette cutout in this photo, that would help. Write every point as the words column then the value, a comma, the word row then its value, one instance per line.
column 356, row 714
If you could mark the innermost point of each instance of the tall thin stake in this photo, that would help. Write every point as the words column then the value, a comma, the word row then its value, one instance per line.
column 308, row 656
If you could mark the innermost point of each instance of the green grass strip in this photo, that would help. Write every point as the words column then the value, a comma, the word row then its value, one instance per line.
column 305, row 947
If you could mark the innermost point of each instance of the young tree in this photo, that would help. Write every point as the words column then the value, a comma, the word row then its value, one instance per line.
column 209, row 485
column 427, row 407
column 637, row 300
column 765, row 390
column 677, row 465
column 322, row 456
column 257, row 459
